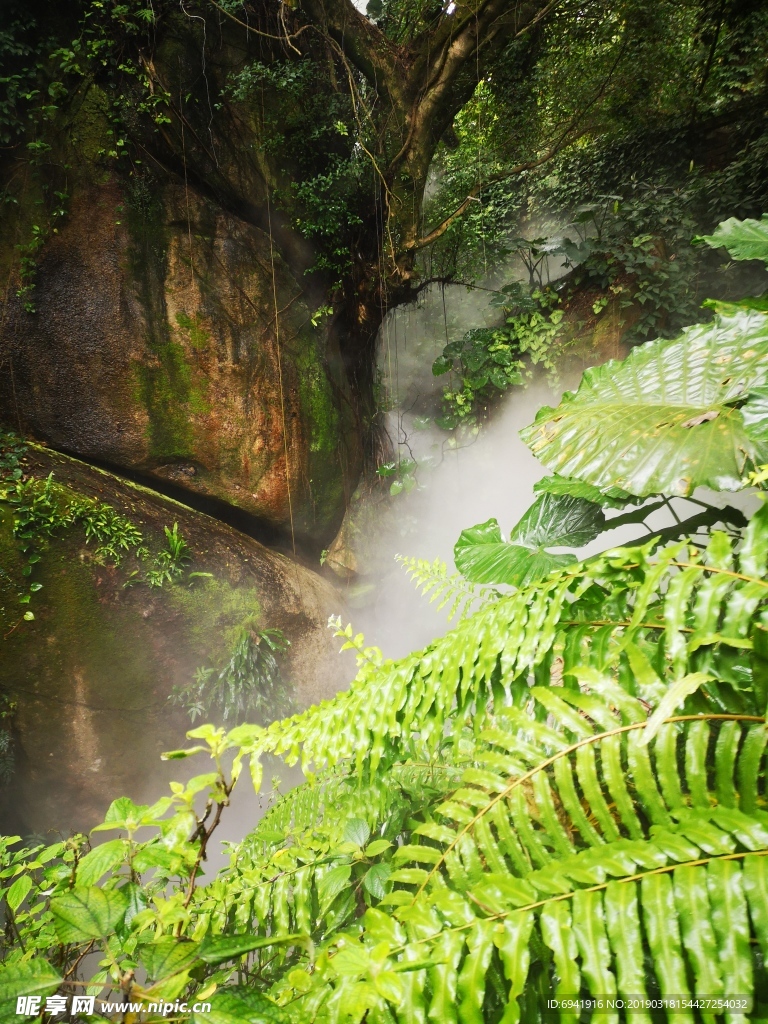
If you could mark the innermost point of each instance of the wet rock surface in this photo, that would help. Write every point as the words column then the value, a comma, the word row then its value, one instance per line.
column 91, row 674
column 170, row 337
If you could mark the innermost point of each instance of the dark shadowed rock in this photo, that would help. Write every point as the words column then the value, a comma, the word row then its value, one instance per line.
column 91, row 674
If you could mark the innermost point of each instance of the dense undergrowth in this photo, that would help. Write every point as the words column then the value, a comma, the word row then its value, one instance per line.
column 564, row 797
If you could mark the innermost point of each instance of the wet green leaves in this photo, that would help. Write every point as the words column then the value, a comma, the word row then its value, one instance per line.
column 554, row 520
column 673, row 416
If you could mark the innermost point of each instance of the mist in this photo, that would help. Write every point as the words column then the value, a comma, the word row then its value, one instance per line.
column 462, row 481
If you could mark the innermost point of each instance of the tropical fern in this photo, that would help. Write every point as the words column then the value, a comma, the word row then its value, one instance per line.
column 453, row 592
column 649, row 617
column 578, row 862
column 332, row 798
column 564, row 798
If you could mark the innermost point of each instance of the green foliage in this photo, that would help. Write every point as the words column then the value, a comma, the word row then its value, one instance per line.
column 114, row 534
column 744, row 239
column 483, row 556
column 168, row 564
column 486, row 363
column 674, row 416
column 249, row 684
column 638, row 249
column 564, row 796
column 313, row 127
column 453, row 592
column 401, row 473
column 43, row 509
column 614, row 497
column 416, row 883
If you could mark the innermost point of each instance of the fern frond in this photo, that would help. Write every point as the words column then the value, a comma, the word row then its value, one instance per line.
column 453, row 592
column 643, row 617
column 600, row 870
column 331, row 799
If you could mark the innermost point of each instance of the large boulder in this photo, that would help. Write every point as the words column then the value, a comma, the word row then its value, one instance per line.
column 90, row 674
column 170, row 337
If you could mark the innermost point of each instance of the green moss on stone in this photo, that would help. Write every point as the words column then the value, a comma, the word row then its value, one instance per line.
column 321, row 413
column 214, row 613
column 198, row 336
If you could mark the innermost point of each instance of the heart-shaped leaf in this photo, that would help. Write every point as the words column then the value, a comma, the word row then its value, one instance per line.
column 673, row 416
column 483, row 556
column 558, row 520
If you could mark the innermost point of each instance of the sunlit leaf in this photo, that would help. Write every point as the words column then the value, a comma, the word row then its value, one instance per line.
column 673, row 416
column 87, row 913
column 168, row 956
column 100, row 860
column 18, row 892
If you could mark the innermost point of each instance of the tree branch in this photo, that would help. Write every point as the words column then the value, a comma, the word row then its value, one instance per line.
column 257, row 31
column 528, row 165
column 566, row 138
column 363, row 42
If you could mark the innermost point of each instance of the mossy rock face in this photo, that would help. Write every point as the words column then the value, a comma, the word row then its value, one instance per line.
column 169, row 337
column 92, row 672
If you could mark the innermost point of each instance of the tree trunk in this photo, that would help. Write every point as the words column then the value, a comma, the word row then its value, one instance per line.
column 176, row 320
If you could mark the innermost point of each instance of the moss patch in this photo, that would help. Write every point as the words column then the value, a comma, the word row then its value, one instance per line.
column 197, row 335
column 214, row 613
column 323, row 418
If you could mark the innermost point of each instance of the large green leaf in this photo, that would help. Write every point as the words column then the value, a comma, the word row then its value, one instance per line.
column 558, row 520
column 744, row 239
column 483, row 556
column 240, row 1005
column 554, row 520
column 87, row 912
column 673, row 416
column 28, row 978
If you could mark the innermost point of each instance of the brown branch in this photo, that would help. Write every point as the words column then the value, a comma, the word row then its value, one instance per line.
column 369, row 49
column 204, row 834
column 528, row 165
column 256, row 31
column 566, row 138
